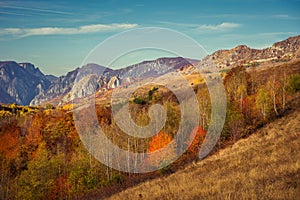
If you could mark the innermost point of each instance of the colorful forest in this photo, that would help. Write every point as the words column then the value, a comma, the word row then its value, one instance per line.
column 42, row 157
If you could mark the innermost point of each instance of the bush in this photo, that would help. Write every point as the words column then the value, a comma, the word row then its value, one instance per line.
column 49, row 106
column 166, row 170
column 117, row 178
column 139, row 100
column 294, row 83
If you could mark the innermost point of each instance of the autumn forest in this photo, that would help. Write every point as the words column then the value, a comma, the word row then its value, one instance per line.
column 42, row 156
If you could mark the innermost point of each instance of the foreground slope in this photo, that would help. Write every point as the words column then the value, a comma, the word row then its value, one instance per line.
column 264, row 166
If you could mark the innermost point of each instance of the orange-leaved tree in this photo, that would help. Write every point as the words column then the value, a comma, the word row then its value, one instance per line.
column 158, row 143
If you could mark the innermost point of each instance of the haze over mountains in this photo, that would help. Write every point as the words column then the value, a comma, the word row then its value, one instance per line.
column 24, row 84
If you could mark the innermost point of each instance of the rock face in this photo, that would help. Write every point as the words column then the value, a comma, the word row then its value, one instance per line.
column 153, row 68
column 20, row 83
column 113, row 82
column 62, row 86
column 91, row 77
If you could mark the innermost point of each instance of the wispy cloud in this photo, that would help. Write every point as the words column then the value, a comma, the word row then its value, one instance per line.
column 94, row 28
column 219, row 27
column 284, row 17
column 205, row 27
column 281, row 16
column 186, row 25
column 35, row 9
column 14, row 13
column 278, row 33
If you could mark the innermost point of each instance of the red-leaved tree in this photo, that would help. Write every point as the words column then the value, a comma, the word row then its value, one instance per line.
column 196, row 138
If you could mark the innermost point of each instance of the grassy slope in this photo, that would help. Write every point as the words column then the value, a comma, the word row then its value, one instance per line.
column 264, row 166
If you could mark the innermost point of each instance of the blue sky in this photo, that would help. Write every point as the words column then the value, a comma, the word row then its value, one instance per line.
column 57, row 35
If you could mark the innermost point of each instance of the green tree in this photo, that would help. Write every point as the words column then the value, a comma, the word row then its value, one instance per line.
column 263, row 102
column 293, row 83
column 37, row 181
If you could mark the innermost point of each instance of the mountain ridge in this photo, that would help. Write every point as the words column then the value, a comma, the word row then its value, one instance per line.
column 35, row 88
column 242, row 54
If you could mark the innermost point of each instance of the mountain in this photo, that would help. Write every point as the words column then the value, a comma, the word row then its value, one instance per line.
column 242, row 54
column 25, row 84
column 54, row 89
column 153, row 68
column 63, row 84
column 20, row 83
column 92, row 77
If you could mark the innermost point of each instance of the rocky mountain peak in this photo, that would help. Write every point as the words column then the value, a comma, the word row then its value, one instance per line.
column 242, row 47
column 21, row 83
column 32, row 69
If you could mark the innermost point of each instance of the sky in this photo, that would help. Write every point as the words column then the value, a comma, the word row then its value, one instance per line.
column 56, row 36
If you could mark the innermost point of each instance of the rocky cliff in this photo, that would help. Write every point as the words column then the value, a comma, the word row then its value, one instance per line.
column 20, row 83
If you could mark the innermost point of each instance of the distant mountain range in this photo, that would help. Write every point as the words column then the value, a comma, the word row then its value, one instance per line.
column 24, row 84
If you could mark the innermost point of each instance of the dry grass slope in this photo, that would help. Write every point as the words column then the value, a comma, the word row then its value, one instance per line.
column 264, row 166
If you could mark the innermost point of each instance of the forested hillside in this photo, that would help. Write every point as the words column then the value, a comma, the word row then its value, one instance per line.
column 264, row 166
column 42, row 156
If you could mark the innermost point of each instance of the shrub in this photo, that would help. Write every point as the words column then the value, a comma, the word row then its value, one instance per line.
column 294, row 83
column 139, row 100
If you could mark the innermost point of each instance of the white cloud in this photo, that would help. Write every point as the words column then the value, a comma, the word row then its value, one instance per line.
column 219, row 27
column 94, row 28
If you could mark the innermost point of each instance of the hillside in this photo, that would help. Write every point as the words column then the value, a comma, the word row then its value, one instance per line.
column 264, row 166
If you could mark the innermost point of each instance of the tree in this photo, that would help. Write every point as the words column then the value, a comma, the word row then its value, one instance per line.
column 273, row 87
column 157, row 143
column 151, row 92
column 293, row 84
column 204, row 106
column 263, row 102
column 253, row 79
column 249, row 110
column 196, row 138
column 85, row 173
column 283, row 83
column 37, row 181
column 236, row 85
